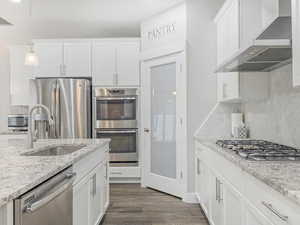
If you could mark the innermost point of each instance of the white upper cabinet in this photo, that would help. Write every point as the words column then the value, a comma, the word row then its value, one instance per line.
column 77, row 59
column 228, row 31
column 20, row 76
column 128, row 66
column 104, row 63
column 238, row 23
column 116, row 62
column 227, row 44
column 111, row 62
column 50, row 57
column 296, row 41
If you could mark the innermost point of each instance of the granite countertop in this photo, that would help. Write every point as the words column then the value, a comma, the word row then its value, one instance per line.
column 19, row 174
column 281, row 176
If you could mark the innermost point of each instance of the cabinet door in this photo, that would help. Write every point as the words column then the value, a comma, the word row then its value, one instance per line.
column 81, row 203
column 233, row 206
column 228, row 87
column 104, row 64
column 198, row 177
column 228, row 44
column 96, row 211
column 77, row 59
column 296, row 41
column 128, row 64
column 20, row 75
column 204, row 187
column 105, row 188
column 216, row 198
column 50, row 57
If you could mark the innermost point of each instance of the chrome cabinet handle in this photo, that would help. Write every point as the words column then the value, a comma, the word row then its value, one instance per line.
column 219, row 197
column 115, row 79
column 220, row 192
column 94, row 184
column 116, row 173
column 106, row 171
column 217, row 189
column 275, row 211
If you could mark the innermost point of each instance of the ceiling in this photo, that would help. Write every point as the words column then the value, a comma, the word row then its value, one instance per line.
column 77, row 18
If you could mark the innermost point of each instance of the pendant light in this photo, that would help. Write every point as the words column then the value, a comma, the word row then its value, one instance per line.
column 31, row 58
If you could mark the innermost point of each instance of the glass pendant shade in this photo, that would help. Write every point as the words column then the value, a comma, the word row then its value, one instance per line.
column 31, row 58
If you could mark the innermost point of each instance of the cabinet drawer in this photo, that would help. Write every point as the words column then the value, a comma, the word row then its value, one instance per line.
column 88, row 163
column 124, row 172
column 279, row 210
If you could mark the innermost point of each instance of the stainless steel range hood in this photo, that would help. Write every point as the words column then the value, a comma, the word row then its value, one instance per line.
column 271, row 50
column 4, row 22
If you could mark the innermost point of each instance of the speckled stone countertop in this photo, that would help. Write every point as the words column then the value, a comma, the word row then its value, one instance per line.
column 19, row 174
column 283, row 177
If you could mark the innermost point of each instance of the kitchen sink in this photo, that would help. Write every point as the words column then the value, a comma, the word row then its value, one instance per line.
column 55, row 150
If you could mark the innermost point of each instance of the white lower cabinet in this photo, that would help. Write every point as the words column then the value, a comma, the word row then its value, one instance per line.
column 91, row 189
column 233, row 205
column 81, row 202
column 203, row 185
column 216, row 199
column 90, row 197
column 229, row 196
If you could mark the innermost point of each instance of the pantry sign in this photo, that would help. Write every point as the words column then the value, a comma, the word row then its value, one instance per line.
column 161, row 31
column 164, row 29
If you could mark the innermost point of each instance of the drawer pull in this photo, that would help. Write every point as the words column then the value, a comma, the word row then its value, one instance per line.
column 116, row 173
column 274, row 211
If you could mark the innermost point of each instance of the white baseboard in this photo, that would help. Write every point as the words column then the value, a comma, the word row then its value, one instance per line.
column 190, row 198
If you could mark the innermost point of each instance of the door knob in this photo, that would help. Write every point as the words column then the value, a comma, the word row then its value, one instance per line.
column 146, row 130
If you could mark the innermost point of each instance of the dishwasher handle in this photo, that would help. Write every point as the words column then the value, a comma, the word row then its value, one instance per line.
column 61, row 188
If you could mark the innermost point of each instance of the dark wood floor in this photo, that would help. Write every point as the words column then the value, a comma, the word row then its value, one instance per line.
column 133, row 205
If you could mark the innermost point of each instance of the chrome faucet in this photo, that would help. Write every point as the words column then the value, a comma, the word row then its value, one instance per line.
column 50, row 120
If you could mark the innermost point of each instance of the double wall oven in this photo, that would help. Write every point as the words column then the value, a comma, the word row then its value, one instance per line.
column 116, row 117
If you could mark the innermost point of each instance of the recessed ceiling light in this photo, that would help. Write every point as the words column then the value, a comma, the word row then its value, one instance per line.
column 16, row 1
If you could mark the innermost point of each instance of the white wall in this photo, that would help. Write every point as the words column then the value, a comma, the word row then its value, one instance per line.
column 4, row 86
column 202, row 83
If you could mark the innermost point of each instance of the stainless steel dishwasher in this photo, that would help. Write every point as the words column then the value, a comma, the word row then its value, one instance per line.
column 50, row 203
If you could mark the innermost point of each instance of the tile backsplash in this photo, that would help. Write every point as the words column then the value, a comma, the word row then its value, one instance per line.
column 277, row 118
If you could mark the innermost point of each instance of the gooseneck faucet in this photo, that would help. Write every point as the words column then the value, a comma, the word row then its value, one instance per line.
column 30, row 118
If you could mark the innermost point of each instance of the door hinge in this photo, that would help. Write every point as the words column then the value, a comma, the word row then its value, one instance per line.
column 181, row 68
column 181, row 175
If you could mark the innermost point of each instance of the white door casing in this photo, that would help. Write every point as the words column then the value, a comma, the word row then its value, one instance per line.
column 176, row 184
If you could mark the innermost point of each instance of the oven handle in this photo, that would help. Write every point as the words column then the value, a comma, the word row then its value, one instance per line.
column 115, row 98
column 117, row 132
column 61, row 188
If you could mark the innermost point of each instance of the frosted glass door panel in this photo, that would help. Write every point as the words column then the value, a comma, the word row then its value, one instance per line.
column 163, row 120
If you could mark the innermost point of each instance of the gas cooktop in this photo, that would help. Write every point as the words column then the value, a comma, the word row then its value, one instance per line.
column 260, row 150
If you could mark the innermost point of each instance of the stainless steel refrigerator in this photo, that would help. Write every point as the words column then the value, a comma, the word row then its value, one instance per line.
column 69, row 101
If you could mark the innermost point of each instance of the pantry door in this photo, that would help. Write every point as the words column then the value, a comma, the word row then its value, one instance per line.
column 163, row 121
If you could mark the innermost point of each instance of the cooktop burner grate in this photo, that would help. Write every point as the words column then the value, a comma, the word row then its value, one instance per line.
column 260, row 150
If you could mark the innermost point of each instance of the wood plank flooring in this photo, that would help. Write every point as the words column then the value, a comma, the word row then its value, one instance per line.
column 133, row 205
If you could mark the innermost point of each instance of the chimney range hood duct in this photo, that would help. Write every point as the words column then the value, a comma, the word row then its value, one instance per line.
column 271, row 50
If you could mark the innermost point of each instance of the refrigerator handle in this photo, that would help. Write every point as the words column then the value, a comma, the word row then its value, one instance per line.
column 52, row 128
column 57, row 110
